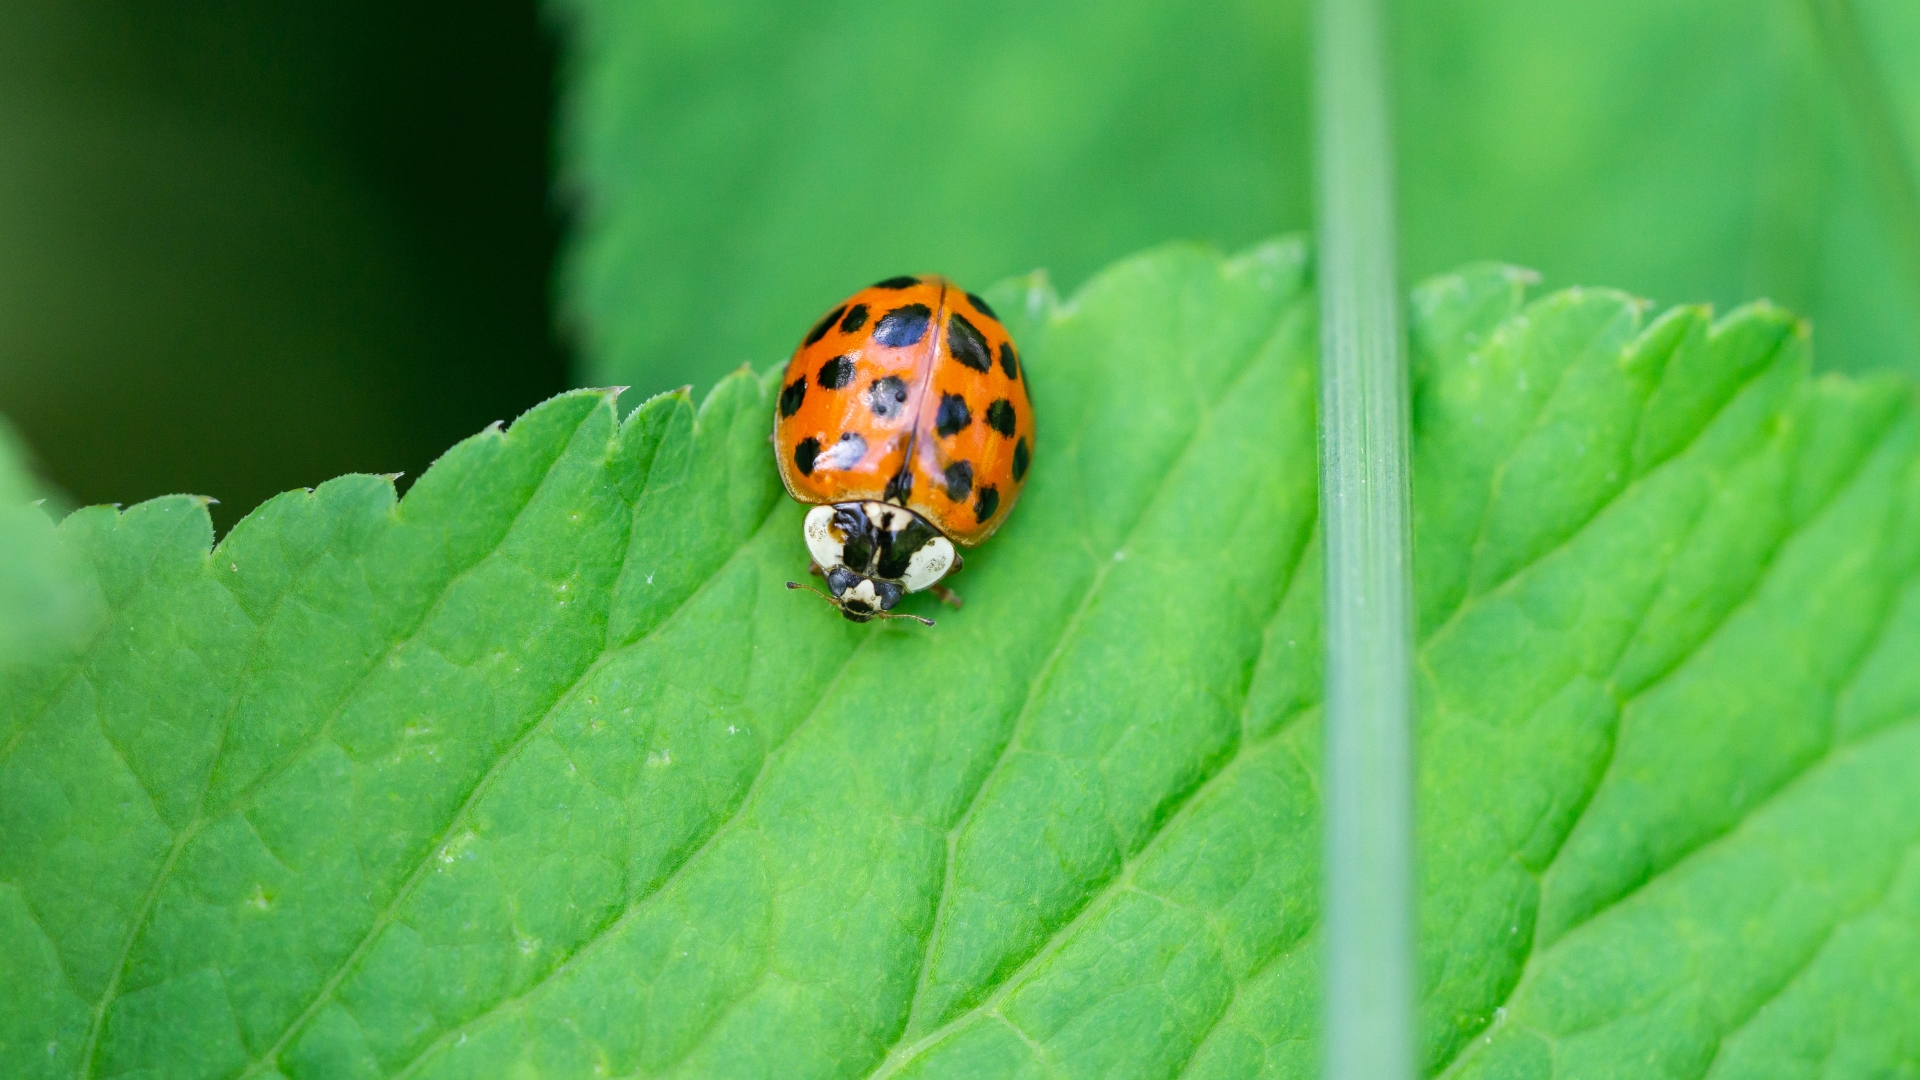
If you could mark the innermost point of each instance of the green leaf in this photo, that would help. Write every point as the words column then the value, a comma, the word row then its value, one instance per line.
column 739, row 167
column 541, row 771
column 1713, row 151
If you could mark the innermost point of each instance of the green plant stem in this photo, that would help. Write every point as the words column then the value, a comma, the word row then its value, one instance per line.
column 1364, row 501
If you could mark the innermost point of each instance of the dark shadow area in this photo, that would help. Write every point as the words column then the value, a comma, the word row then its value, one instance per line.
column 248, row 247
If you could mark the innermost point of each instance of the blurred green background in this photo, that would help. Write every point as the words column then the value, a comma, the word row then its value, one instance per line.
column 247, row 247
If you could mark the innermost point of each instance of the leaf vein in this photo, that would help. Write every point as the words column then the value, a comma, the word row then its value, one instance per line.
column 1574, row 533
column 1468, row 1045
column 1792, row 977
column 480, row 787
column 608, row 928
column 78, row 663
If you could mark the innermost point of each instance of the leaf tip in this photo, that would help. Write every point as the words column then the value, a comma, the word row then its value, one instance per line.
column 683, row 394
column 1766, row 313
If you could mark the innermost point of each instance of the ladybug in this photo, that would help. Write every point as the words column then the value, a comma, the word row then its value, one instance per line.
column 904, row 418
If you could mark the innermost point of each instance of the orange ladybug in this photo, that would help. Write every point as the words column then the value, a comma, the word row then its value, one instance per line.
column 904, row 416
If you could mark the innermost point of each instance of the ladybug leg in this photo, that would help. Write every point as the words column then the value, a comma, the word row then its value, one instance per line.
column 814, row 569
column 947, row 596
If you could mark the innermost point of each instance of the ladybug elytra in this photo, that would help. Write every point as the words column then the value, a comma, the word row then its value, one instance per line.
column 904, row 416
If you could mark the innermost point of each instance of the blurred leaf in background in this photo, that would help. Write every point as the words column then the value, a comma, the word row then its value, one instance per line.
column 1706, row 151
column 737, row 168
column 245, row 247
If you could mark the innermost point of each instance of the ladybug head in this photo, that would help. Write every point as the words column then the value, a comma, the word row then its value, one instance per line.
column 861, row 598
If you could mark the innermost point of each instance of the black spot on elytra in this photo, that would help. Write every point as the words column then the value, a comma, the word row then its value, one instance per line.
column 1009, row 363
column 856, row 318
column 986, row 504
column 804, row 454
column 887, row 397
column 980, row 306
column 836, row 373
column 1022, row 457
column 959, row 479
column 902, row 326
column 792, row 397
column 897, row 283
column 953, row 416
column 966, row 344
column 900, row 488
column 820, row 328
column 1000, row 417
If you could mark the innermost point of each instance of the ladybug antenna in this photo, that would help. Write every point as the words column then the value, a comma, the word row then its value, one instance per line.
column 878, row 614
column 814, row 591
